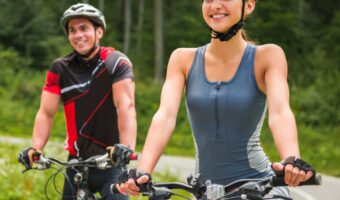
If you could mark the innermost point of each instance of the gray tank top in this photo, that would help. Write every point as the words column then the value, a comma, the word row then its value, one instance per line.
column 226, row 118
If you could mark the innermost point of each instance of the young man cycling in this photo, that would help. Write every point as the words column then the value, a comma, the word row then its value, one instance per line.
column 96, row 87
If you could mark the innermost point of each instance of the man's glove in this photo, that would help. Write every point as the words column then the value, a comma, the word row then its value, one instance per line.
column 27, row 156
column 120, row 155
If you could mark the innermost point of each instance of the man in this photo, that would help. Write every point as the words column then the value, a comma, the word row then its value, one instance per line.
column 96, row 87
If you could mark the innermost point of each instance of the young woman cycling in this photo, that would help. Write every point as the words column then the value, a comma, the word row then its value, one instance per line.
column 229, row 84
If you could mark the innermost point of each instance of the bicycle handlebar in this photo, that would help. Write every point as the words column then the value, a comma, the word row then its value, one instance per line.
column 117, row 156
column 316, row 179
column 250, row 188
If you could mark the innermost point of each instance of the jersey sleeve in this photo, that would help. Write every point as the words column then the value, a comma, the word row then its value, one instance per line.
column 52, row 81
column 119, row 66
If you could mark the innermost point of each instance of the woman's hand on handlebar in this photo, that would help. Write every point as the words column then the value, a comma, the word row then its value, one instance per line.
column 294, row 170
column 132, row 182
column 130, row 186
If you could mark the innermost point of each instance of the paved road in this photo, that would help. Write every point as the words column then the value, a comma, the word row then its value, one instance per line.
column 182, row 167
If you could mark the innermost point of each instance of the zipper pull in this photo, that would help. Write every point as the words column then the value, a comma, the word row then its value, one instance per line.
column 218, row 85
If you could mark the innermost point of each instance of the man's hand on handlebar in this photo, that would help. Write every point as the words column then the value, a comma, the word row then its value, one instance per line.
column 294, row 170
column 28, row 156
column 120, row 155
column 132, row 182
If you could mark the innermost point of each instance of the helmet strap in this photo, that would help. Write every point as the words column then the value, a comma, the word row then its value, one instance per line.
column 233, row 30
column 93, row 48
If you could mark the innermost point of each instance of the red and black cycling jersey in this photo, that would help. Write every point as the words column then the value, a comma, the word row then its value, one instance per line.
column 86, row 92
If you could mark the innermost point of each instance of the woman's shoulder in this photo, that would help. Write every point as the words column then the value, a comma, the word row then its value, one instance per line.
column 269, row 54
column 183, row 55
column 184, row 52
column 266, row 50
column 181, row 59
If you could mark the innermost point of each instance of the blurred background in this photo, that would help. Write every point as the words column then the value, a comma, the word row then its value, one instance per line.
column 148, row 31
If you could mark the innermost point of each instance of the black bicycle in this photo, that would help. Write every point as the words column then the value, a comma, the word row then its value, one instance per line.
column 117, row 156
column 247, row 189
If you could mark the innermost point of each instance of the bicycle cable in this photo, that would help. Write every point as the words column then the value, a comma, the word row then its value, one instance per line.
column 49, row 179
column 185, row 197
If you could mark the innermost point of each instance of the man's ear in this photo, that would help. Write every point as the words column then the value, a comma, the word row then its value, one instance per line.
column 100, row 32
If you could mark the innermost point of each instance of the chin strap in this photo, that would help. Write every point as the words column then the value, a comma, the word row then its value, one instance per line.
column 233, row 30
column 88, row 54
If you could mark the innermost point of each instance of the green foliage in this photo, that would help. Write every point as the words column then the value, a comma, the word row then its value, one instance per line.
column 308, row 31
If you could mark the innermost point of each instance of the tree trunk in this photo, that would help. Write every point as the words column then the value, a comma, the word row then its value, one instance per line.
column 159, row 44
column 127, row 25
column 101, row 6
column 140, row 30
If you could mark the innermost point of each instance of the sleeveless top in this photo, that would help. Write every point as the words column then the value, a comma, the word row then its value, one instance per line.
column 226, row 118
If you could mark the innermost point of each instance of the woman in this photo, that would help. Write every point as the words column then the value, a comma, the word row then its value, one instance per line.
column 229, row 84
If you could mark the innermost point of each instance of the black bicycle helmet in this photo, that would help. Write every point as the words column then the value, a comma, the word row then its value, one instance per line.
column 83, row 10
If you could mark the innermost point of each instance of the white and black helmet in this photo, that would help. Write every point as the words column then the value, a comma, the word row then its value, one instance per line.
column 83, row 10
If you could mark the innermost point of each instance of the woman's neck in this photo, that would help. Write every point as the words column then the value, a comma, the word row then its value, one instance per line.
column 227, row 49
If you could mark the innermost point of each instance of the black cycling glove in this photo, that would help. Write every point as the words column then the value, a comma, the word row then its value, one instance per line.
column 119, row 154
column 27, row 156
column 135, row 174
column 296, row 162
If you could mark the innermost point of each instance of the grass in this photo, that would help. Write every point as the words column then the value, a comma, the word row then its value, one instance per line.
column 30, row 185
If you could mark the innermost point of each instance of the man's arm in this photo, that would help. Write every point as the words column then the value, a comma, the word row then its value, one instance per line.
column 124, row 100
column 44, row 119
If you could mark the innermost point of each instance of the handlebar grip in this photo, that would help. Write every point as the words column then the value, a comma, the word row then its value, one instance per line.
column 316, row 179
column 134, row 156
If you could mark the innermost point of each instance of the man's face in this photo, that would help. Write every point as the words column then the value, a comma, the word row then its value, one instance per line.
column 83, row 35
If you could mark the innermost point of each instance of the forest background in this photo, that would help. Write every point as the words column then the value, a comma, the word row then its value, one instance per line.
column 148, row 31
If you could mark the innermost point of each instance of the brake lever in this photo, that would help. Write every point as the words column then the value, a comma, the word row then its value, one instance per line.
column 102, row 162
column 255, row 190
column 42, row 163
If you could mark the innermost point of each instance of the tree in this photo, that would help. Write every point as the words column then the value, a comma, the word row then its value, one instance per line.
column 127, row 25
column 101, row 4
column 140, row 29
column 159, row 43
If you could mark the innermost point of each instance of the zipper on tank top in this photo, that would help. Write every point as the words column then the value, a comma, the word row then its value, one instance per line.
column 217, row 87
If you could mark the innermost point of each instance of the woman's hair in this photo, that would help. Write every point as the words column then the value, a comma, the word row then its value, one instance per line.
column 246, row 38
column 245, row 35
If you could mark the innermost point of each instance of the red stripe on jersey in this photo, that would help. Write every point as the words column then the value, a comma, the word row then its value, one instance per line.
column 52, row 83
column 90, row 117
column 94, row 140
column 124, row 62
column 71, row 127
column 76, row 97
column 105, row 51
column 101, row 72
